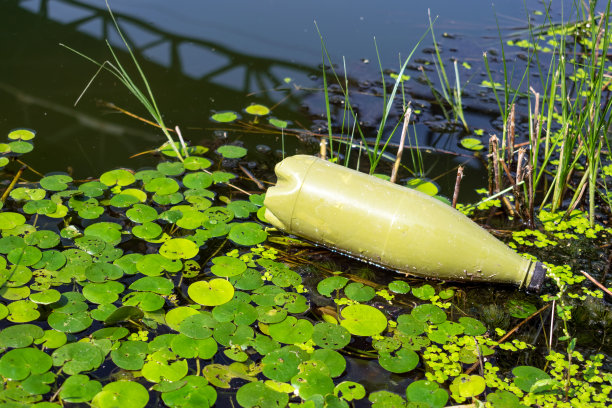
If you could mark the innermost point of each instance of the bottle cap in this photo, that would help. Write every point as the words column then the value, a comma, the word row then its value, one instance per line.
column 537, row 278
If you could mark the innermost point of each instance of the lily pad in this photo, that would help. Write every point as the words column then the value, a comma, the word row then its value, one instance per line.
column 118, row 177
column 128, row 394
column 471, row 143
column 527, row 376
column 179, row 248
column 331, row 336
column 196, row 393
column 57, row 182
column 224, row 117
column 18, row 364
column 211, row 293
column 401, row 361
column 232, row 152
column 257, row 394
column 79, row 388
column 226, row 266
column 291, row 330
column 427, row 392
column 363, row 320
column 257, row 109
column 247, row 233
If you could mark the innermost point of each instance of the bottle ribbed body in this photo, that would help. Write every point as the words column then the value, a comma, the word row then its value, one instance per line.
column 387, row 224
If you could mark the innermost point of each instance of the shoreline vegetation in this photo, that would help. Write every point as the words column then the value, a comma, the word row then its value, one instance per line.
column 167, row 286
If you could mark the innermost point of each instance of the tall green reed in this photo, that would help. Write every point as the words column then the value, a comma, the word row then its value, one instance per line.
column 376, row 148
column 569, row 113
column 146, row 97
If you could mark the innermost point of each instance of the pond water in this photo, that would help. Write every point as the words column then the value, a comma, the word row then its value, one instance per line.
column 206, row 57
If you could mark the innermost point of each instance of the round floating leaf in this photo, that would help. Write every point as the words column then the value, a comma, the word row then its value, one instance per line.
column 171, row 168
column 176, row 316
column 21, row 134
column 349, row 391
column 124, row 313
column 471, row 143
column 403, row 361
column 410, row 326
column 282, row 124
column 18, row 364
column 130, row 355
column 44, row 239
column 424, row 292
column 45, row 298
column 24, row 193
column 78, row 357
column 311, row 383
column 359, row 292
column 23, row 311
column 196, row 393
column 159, row 368
column 199, row 180
column 58, row 182
column 93, row 188
column 291, row 330
column 328, row 285
column 282, row 364
column 257, row 109
column 331, row 336
column 145, row 301
column 472, row 327
column 424, row 186
column 128, row 394
column 226, row 266
column 52, row 339
column 197, row 326
column 194, row 163
column 428, row 312
column 25, row 256
column 386, row 399
column 257, row 394
column 123, row 200
column 520, row 308
column 154, row 284
column 247, row 233
column 103, row 293
column 79, row 388
column 21, row 147
column 467, row 386
column 19, row 336
column 399, row 287
column 179, row 248
column 147, row 231
column 224, row 117
column 363, row 320
column 42, row 207
column 109, row 232
column 527, row 376
column 162, row 186
column 427, row 392
column 141, row 213
column 69, row 323
column 118, row 177
column 242, row 208
column 504, row 399
column 232, row 152
column 4, row 161
column 101, row 272
column 334, row 361
column 10, row 220
column 211, row 293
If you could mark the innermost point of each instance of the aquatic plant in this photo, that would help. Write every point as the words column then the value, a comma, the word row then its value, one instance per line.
column 145, row 97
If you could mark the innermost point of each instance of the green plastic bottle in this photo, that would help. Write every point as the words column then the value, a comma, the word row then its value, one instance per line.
column 389, row 225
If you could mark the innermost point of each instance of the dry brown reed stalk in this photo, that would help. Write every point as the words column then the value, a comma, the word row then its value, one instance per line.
column 13, row 182
column 457, row 184
column 511, row 130
column 494, row 151
column 323, row 149
column 519, row 199
column 252, row 177
column 531, row 214
column 400, row 148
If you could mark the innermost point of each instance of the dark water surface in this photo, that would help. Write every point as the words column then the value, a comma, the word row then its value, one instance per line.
column 202, row 56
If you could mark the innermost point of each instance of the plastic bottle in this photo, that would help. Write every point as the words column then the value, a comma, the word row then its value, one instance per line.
column 389, row 225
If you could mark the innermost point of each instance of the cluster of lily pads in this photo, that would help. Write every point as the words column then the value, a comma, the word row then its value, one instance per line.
column 160, row 287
